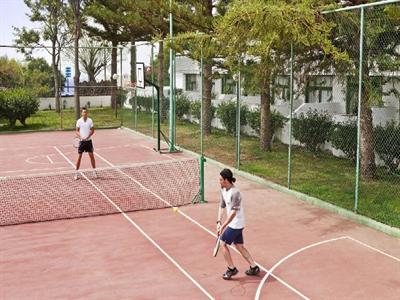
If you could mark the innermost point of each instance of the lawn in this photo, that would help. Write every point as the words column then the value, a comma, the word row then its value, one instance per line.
column 50, row 120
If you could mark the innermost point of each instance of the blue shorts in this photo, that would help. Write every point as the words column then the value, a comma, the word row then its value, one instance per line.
column 231, row 235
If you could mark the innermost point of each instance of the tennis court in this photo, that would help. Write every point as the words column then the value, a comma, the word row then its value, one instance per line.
column 85, row 248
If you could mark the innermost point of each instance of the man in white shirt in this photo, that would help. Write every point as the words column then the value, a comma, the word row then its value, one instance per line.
column 84, row 131
column 231, row 230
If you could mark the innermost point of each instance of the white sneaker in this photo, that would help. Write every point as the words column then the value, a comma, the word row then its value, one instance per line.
column 76, row 177
column 94, row 174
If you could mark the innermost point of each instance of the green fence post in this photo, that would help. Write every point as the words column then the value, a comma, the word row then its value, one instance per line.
column 290, row 118
column 357, row 188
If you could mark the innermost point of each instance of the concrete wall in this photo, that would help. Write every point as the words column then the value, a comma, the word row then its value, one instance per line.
column 68, row 102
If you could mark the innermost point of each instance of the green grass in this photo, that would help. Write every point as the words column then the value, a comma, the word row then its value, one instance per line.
column 323, row 176
column 50, row 120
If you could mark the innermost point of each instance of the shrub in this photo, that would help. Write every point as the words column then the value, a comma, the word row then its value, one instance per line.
column 182, row 106
column 344, row 137
column 277, row 120
column 145, row 103
column 312, row 129
column 195, row 110
column 387, row 145
column 17, row 104
column 226, row 112
column 121, row 97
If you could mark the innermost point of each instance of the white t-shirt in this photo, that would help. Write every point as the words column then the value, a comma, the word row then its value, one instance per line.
column 84, row 127
column 232, row 199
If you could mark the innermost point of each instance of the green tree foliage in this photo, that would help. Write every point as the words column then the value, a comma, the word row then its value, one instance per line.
column 36, row 74
column 380, row 56
column 262, row 32
column 51, row 18
column 11, row 72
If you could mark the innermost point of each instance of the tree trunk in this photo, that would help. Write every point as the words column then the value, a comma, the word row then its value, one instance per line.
column 114, row 71
column 160, row 80
column 207, row 117
column 76, row 49
column 368, row 166
column 91, row 76
column 265, row 113
column 133, row 60
column 54, row 66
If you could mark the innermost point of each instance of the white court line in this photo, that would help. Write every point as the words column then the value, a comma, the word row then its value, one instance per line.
column 204, row 228
column 48, row 157
column 141, row 231
column 31, row 170
column 152, row 149
column 314, row 245
column 260, row 286
column 374, row 249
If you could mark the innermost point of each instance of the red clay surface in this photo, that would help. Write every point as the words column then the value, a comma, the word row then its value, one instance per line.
column 110, row 258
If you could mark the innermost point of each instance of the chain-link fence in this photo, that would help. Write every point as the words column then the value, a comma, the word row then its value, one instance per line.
column 325, row 128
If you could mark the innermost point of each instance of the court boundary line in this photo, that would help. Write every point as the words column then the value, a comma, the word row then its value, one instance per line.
column 207, row 230
column 374, row 249
column 50, row 160
column 140, row 230
column 31, row 170
column 290, row 255
column 282, row 260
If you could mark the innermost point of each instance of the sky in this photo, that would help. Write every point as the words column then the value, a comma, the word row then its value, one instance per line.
column 13, row 13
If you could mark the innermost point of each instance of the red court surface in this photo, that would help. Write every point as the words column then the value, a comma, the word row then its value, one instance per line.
column 305, row 252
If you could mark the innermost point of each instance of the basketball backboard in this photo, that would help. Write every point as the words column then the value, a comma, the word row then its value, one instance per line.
column 140, row 83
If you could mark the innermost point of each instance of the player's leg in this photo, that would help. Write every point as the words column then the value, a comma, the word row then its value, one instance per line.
column 90, row 151
column 245, row 254
column 78, row 165
column 227, row 239
column 92, row 160
column 239, row 244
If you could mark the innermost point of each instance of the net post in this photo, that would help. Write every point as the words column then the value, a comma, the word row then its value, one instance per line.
column 202, row 194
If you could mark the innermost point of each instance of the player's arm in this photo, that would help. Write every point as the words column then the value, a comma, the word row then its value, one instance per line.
column 219, row 217
column 91, row 132
column 228, row 220
column 78, row 135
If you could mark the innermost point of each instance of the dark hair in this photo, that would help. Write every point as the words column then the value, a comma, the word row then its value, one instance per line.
column 227, row 174
column 83, row 108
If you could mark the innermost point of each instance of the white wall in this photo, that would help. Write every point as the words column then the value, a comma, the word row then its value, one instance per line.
column 95, row 101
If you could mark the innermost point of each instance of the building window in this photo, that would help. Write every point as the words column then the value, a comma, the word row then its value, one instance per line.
column 319, row 89
column 228, row 84
column 281, row 89
column 191, row 82
column 375, row 86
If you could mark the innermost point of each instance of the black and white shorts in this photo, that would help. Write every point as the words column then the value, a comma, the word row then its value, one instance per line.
column 85, row 146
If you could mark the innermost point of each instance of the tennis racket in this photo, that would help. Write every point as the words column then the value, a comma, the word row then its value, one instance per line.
column 216, row 247
column 76, row 142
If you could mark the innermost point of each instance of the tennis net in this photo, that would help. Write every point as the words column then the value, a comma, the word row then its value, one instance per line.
column 55, row 196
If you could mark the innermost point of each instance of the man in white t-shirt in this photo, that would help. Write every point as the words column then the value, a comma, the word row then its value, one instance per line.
column 84, row 131
column 231, row 231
